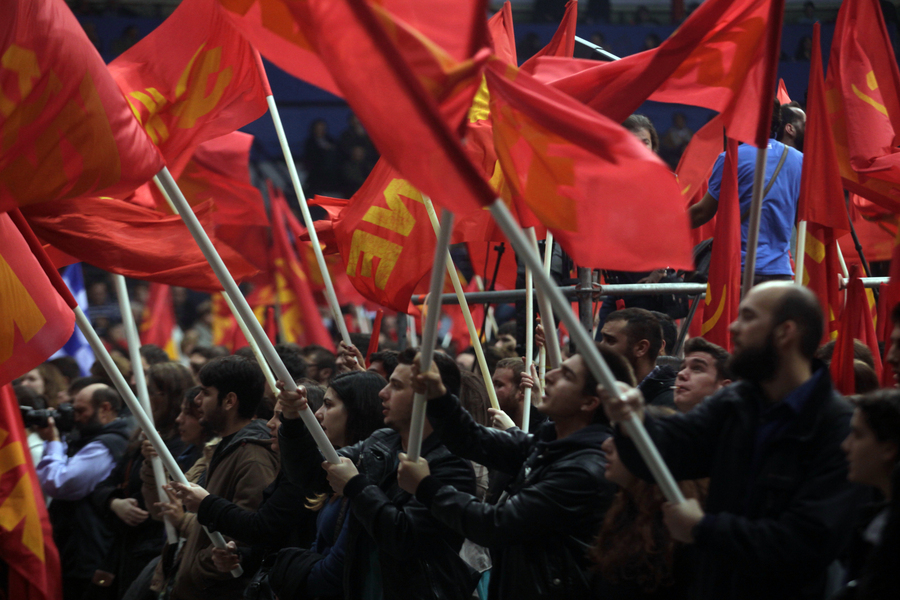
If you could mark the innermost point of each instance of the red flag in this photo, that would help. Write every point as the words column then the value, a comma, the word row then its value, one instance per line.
column 158, row 324
column 723, row 290
column 66, row 129
column 563, row 42
column 300, row 320
column 856, row 323
column 694, row 170
column 556, row 154
column 194, row 78
column 821, row 195
column 863, row 90
column 26, row 537
column 782, row 93
column 395, row 79
column 132, row 241
column 386, row 238
column 502, row 35
column 459, row 331
column 723, row 57
column 36, row 321
column 821, row 274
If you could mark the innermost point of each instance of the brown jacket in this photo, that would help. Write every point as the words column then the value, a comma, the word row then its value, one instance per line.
column 240, row 469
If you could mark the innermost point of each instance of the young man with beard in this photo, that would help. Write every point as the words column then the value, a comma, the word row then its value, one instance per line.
column 396, row 549
column 241, row 467
column 539, row 533
column 779, row 509
column 68, row 473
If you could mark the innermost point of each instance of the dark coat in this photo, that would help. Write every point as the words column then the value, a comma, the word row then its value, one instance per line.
column 538, row 536
column 418, row 557
column 771, row 535
column 657, row 386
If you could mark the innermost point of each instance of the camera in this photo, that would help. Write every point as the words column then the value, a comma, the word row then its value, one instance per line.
column 63, row 416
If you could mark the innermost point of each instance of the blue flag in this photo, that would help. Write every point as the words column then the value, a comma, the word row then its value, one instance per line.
column 77, row 346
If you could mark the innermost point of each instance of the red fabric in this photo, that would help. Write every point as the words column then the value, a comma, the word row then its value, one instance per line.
column 821, row 195
column 159, row 321
column 192, row 79
column 563, row 42
column 459, row 332
column 67, row 130
column 300, row 320
column 133, row 241
column 484, row 255
column 373, row 340
column 856, row 323
column 386, row 238
column 723, row 57
column 782, row 93
column 36, row 319
column 821, row 268
column 695, row 167
column 723, row 291
column 556, row 154
column 26, row 538
column 408, row 93
column 502, row 35
column 863, row 87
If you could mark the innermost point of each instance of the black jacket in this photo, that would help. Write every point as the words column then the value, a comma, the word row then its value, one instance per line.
column 82, row 534
column 657, row 386
column 418, row 557
column 540, row 535
column 774, row 534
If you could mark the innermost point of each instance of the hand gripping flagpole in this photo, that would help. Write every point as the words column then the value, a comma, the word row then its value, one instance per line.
column 140, row 383
column 231, row 288
column 551, row 337
column 467, row 314
column 330, row 295
column 429, row 333
column 102, row 354
column 598, row 367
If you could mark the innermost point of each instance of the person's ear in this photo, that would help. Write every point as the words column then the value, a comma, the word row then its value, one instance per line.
column 591, row 404
column 790, row 129
column 786, row 333
column 230, row 401
column 325, row 373
column 641, row 348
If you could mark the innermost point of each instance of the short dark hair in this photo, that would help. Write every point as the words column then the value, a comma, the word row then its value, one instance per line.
column 720, row 355
column 636, row 122
column 621, row 370
column 68, row 366
column 388, row 358
column 153, row 354
column 669, row 330
column 882, row 412
column 358, row 390
column 640, row 325
column 107, row 394
column 292, row 358
column 516, row 365
column 446, row 366
column 239, row 375
column 800, row 305
column 861, row 352
column 315, row 393
column 206, row 352
column 319, row 356
column 789, row 116
column 82, row 382
column 508, row 328
column 776, row 119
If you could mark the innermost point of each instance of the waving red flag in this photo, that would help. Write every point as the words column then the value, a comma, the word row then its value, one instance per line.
column 782, row 93
column 36, row 322
column 556, row 154
column 863, row 87
column 563, row 42
column 66, row 130
column 723, row 57
column 158, row 323
column 723, row 290
column 26, row 538
column 856, row 323
column 300, row 320
column 502, row 34
column 409, row 94
column 132, row 241
column 194, row 78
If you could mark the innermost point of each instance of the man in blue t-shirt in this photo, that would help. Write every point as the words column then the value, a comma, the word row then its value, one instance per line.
column 779, row 208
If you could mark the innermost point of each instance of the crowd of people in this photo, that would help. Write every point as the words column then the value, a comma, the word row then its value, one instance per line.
column 790, row 489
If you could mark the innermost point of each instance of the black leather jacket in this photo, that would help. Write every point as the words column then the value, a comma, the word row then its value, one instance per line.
column 418, row 557
column 771, row 534
column 540, row 534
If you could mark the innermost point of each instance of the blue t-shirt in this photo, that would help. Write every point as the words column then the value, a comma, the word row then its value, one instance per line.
column 779, row 209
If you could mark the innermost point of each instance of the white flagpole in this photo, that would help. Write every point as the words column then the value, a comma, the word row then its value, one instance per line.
column 144, row 420
column 759, row 178
column 267, row 371
column 140, row 382
column 529, row 334
column 548, row 257
column 801, row 252
column 429, row 333
column 307, row 220
column 256, row 330
column 467, row 314
column 587, row 349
